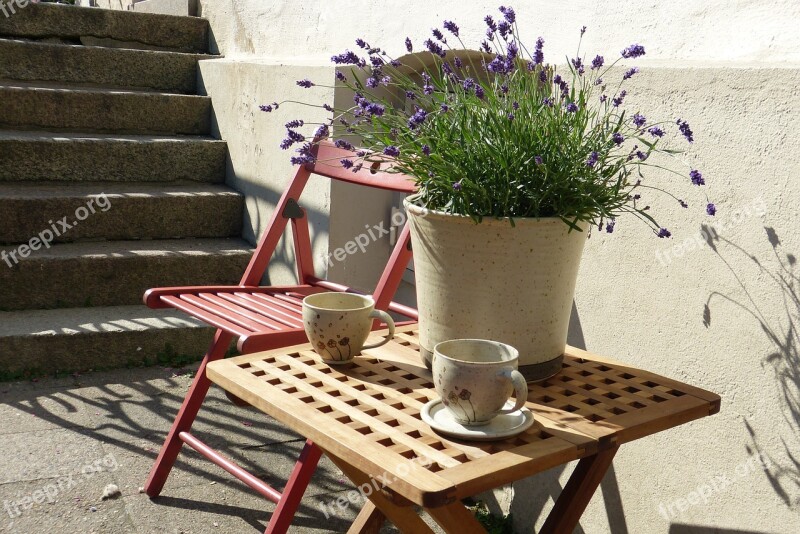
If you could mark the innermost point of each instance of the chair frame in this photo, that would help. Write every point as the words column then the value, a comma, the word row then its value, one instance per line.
column 264, row 322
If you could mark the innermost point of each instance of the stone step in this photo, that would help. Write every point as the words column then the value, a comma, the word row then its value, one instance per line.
column 27, row 156
column 101, row 27
column 114, row 273
column 51, row 341
column 94, row 111
column 118, row 211
column 30, row 61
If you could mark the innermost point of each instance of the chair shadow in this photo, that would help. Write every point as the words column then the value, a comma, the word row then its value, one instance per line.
column 681, row 528
column 784, row 360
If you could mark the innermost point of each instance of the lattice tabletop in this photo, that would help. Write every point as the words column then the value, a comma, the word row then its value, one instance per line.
column 368, row 415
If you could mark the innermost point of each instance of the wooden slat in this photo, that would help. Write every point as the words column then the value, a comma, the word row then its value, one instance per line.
column 205, row 316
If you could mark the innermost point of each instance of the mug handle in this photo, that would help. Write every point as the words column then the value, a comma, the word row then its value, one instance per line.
column 520, row 388
column 386, row 318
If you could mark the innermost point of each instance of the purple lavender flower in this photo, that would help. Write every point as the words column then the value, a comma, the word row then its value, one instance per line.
column 302, row 160
column 512, row 50
column 508, row 14
column 598, row 81
column 357, row 167
column 504, row 89
column 457, row 186
column 639, row 120
column 711, row 209
column 598, row 62
column 468, row 84
column 434, row 47
column 592, row 161
column 538, row 160
column 683, row 126
column 326, row 107
column 444, row 108
column 538, row 55
column 490, row 23
column 439, row 35
column 409, row 46
column 265, row 108
column 361, row 43
column 663, row 232
column 340, row 76
column 376, row 61
column 618, row 138
column 411, row 95
column 392, row 151
column 542, row 73
column 479, row 92
column 630, row 72
column 485, row 47
column 346, row 58
column 297, row 123
column 577, row 63
column 683, row 204
column 548, row 101
column 503, row 28
column 322, row 131
column 295, row 136
column 386, row 80
column 697, row 177
column 450, row 26
column 341, row 143
column 286, row 143
column 376, row 109
column 497, row 65
column 603, row 98
column 641, row 155
column 426, row 150
column 617, row 102
column 372, row 83
column 346, row 163
column 572, row 107
column 446, row 68
column 583, row 30
column 395, row 63
column 457, row 62
column 361, row 153
column 515, row 105
column 633, row 51
column 417, row 118
column 557, row 79
column 655, row 131
column 610, row 226
column 510, row 116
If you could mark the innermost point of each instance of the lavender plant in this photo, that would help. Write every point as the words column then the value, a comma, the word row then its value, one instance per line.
column 500, row 133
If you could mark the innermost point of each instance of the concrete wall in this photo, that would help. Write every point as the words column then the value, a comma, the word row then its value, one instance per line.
column 721, row 315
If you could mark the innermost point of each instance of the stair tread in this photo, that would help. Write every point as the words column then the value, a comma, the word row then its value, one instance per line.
column 226, row 246
column 11, row 86
column 37, row 190
column 70, row 321
column 131, row 51
column 39, row 135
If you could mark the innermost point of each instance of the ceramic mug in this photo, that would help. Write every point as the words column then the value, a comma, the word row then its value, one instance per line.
column 337, row 324
column 475, row 378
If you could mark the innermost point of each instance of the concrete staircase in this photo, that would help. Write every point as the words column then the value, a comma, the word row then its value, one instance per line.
column 105, row 146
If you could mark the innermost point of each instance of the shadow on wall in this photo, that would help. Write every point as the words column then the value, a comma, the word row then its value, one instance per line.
column 537, row 493
column 784, row 360
column 678, row 528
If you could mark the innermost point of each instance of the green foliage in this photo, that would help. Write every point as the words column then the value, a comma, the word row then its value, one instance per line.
column 492, row 523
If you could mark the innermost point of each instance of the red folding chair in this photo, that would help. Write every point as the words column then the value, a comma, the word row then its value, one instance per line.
column 264, row 318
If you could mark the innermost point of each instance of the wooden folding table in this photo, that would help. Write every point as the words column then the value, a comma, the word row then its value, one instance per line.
column 366, row 418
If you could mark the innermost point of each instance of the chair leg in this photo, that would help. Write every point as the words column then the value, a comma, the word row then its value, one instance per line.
column 293, row 492
column 186, row 416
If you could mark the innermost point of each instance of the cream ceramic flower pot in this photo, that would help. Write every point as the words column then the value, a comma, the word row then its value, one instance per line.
column 512, row 284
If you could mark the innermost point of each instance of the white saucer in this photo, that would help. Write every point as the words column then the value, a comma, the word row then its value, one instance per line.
column 435, row 414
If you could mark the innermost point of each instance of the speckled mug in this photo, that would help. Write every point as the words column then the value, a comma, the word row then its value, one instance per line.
column 475, row 378
column 337, row 325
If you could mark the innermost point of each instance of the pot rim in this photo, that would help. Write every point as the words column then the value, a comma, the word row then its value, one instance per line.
column 423, row 213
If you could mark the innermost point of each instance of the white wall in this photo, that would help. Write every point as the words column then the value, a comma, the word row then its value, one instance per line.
column 723, row 317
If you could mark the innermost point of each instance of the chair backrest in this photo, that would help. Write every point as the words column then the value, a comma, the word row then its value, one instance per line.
column 329, row 165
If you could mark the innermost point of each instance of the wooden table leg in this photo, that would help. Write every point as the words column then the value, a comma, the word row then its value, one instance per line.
column 404, row 517
column 456, row 519
column 369, row 520
column 576, row 495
